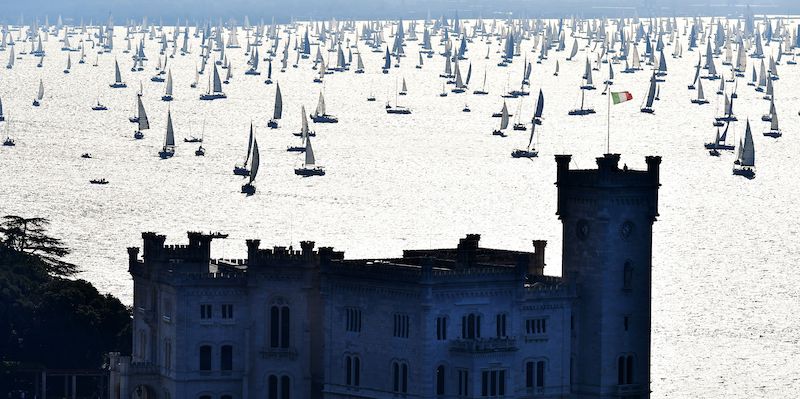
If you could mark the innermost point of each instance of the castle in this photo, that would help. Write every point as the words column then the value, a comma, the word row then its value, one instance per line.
column 467, row 322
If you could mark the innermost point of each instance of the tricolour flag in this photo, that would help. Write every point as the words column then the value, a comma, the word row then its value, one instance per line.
column 621, row 96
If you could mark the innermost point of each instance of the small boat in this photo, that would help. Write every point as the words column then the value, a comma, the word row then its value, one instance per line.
column 9, row 142
column 99, row 181
column 444, row 92
column 774, row 131
column 99, row 107
column 719, row 141
column 651, row 95
column 200, row 151
column 371, row 98
column 701, row 99
column 582, row 111
column 192, row 139
column 466, row 108
column 309, row 167
column 503, row 123
column 482, row 91
column 86, row 155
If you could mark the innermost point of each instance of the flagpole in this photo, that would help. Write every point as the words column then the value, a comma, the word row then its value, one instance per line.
column 608, row 123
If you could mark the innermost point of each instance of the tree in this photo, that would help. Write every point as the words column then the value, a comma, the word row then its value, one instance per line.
column 27, row 239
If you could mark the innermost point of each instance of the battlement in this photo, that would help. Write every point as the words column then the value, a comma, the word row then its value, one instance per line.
column 607, row 181
column 279, row 255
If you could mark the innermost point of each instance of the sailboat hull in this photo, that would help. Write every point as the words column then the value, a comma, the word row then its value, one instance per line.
column 324, row 118
column 272, row 124
column 248, row 189
column 524, row 154
column 306, row 172
column 117, row 85
column 773, row 133
column 239, row 171
column 213, row 96
column 745, row 171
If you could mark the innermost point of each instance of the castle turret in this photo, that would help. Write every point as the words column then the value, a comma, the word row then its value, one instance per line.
column 607, row 216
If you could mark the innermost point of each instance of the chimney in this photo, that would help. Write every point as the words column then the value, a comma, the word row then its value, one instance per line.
column 467, row 250
column 537, row 267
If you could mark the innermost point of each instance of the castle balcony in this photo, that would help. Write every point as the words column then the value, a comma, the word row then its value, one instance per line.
column 484, row 345
column 279, row 353
column 143, row 369
column 624, row 390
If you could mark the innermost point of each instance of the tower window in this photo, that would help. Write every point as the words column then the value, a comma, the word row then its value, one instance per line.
column 205, row 311
column 399, row 377
column 534, row 374
column 352, row 366
column 471, row 326
column 501, row 325
column 441, row 328
column 440, row 380
column 536, row 326
column 463, row 383
column 626, row 322
column 493, row 383
column 401, row 322
column 627, row 276
column 278, row 387
column 227, row 311
column 226, row 358
column 625, row 370
column 353, row 319
column 279, row 318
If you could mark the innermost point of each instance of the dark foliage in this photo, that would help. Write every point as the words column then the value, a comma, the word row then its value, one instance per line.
column 46, row 319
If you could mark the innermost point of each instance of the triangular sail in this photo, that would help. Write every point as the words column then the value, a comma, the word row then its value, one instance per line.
column 40, row 94
column 539, row 105
column 276, row 114
column 169, row 140
column 504, row 117
column 217, row 81
column 168, row 91
column 310, row 161
column 256, row 161
column 748, row 154
column 249, row 145
column 144, row 123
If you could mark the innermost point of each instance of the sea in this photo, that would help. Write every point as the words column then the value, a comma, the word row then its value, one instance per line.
column 725, row 290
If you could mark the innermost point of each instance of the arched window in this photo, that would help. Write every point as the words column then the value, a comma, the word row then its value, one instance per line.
column 226, row 358
column 440, row 380
column 471, row 326
column 352, row 366
column 534, row 373
column 441, row 328
column 205, row 358
column 501, row 325
column 625, row 370
column 627, row 276
column 278, row 387
column 279, row 320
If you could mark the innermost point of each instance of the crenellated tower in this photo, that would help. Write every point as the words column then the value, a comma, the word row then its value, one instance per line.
column 607, row 216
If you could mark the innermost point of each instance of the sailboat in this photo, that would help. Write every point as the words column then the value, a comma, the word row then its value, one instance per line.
column 397, row 109
column 529, row 151
column 168, row 150
column 242, row 170
column 359, row 64
column 309, row 167
column 196, row 77
column 651, row 95
column 214, row 91
column 99, row 106
column 69, row 64
column 278, row 111
column 701, row 98
column 587, row 77
column 719, row 141
column 39, row 94
column 8, row 142
column 118, row 83
column 168, row 92
column 746, row 157
column 482, row 91
column 582, row 111
column 774, row 131
column 141, row 119
column 2, row 117
column 319, row 115
column 537, row 115
column 304, row 130
column 200, row 150
column 248, row 188
column 556, row 72
column 404, row 90
column 728, row 116
column 503, row 122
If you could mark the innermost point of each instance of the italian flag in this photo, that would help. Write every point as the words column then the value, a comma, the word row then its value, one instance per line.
column 621, row 96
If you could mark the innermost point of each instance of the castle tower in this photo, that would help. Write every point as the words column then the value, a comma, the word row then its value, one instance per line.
column 607, row 216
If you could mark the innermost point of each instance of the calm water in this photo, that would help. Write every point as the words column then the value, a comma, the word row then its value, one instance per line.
column 725, row 288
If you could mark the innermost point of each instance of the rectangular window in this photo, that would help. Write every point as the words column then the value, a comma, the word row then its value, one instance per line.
column 227, row 311
column 167, row 354
column 353, row 319
column 540, row 374
column 536, row 326
column 401, row 325
column 205, row 312
column 441, row 328
column 226, row 358
column 626, row 322
column 205, row 358
column 493, row 383
column 463, row 382
column 501, row 325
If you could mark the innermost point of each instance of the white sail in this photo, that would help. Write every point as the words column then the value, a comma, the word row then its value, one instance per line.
column 169, row 139
column 256, row 162
column 144, row 123
column 504, row 117
column 310, row 161
column 168, row 91
column 700, row 94
column 320, row 105
column 587, row 74
column 117, row 74
column 748, row 153
column 304, row 126
column 278, row 111
column 40, row 94
column 217, row 88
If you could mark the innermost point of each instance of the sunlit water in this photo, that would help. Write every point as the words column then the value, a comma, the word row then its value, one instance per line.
column 725, row 288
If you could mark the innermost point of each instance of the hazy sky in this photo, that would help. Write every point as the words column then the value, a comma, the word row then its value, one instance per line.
column 323, row 9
